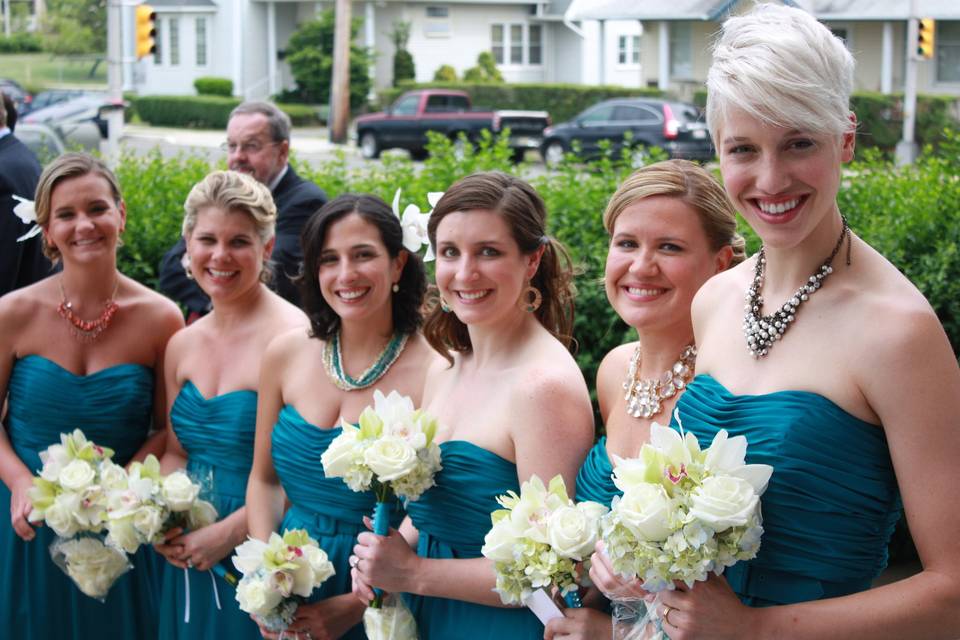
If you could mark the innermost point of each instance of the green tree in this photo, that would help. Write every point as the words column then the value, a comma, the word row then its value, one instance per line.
column 310, row 56
column 76, row 26
column 403, row 67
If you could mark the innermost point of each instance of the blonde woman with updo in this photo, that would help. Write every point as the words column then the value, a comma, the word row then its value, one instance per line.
column 83, row 350
column 212, row 375
column 671, row 229
column 826, row 358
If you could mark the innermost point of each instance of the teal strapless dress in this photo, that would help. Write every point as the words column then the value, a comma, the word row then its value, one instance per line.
column 326, row 507
column 114, row 408
column 217, row 435
column 595, row 478
column 832, row 501
column 453, row 517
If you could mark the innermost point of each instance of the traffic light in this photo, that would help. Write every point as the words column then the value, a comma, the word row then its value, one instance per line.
column 145, row 30
column 925, row 28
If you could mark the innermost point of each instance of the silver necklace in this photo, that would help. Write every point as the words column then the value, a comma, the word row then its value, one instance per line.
column 645, row 397
column 762, row 331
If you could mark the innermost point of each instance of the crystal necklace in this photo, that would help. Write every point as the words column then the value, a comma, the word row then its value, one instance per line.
column 762, row 331
column 333, row 363
column 645, row 397
column 88, row 330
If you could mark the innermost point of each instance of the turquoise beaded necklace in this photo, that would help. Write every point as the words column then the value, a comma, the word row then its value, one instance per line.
column 333, row 363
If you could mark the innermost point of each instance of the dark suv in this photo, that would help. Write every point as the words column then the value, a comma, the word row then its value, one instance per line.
column 676, row 127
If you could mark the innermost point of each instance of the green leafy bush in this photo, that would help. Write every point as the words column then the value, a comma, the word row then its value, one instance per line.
column 206, row 112
column 22, row 42
column 212, row 86
column 445, row 73
column 562, row 101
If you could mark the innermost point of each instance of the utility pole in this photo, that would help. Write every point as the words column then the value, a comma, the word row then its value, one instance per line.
column 115, row 81
column 340, row 80
column 906, row 151
column 6, row 18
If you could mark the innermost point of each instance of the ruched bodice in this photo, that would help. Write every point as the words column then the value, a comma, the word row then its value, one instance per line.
column 217, row 434
column 326, row 507
column 113, row 407
column 595, row 478
column 832, row 501
column 453, row 517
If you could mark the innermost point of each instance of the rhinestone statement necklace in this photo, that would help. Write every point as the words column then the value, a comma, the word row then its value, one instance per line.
column 645, row 397
column 762, row 331
column 88, row 331
column 333, row 363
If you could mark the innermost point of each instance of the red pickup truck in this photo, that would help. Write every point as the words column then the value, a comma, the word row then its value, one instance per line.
column 405, row 124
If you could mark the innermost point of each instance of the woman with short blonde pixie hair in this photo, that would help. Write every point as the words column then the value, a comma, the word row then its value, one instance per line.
column 836, row 370
column 212, row 381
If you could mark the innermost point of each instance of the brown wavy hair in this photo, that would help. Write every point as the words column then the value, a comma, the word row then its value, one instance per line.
column 525, row 213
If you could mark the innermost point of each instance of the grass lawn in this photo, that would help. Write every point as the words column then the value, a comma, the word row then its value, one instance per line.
column 37, row 71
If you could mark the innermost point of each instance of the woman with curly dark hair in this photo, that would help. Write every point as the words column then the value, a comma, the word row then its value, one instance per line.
column 363, row 292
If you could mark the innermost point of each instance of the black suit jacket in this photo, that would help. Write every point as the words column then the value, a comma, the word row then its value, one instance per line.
column 296, row 199
column 21, row 263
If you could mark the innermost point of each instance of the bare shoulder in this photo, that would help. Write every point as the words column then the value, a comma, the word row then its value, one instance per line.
column 155, row 308
column 288, row 343
column 19, row 308
column 611, row 373
column 718, row 290
column 286, row 314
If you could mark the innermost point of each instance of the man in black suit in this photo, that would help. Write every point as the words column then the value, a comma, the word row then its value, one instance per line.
column 258, row 143
column 21, row 263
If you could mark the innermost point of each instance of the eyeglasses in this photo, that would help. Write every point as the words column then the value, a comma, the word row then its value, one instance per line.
column 246, row 147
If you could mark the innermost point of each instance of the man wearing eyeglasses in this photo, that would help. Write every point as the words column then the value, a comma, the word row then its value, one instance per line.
column 258, row 143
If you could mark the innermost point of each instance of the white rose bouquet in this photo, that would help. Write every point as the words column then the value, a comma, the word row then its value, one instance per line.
column 392, row 452
column 143, row 505
column 278, row 575
column 70, row 495
column 538, row 539
column 684, row 513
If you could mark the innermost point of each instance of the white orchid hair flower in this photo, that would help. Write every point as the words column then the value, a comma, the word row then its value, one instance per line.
column 414, row 224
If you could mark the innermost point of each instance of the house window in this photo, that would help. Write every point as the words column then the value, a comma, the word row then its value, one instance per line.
column 948, row 51
column 517, row 44
column 201, row 25
column 158, row 42
column 437, row 24
column 628, row 50
column 174, row 24
column 681, row 51
column 496, row 42
column 535, row 44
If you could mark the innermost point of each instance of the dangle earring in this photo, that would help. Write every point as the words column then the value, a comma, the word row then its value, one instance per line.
column 396, row 287
column 444, row 306
column 185, row 263
column 531, row 299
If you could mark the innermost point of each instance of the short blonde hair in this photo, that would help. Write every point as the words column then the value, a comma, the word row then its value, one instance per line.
column 67, row 166
column 233, row 191
column 783, row 67
column 690, row 183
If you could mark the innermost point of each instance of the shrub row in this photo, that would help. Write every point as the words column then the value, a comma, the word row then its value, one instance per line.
column 212, row 86
column 562, row 101
column 22, row 42
column 206, row 112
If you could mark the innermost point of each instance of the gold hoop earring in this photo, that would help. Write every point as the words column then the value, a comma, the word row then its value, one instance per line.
column 530, row 299
column 444, row 306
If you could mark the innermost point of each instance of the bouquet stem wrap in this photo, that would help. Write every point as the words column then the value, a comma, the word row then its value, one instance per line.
column 381, row 527
column 572, row 599
column 636, row 619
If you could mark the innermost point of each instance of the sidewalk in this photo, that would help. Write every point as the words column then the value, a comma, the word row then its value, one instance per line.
column 307, row 140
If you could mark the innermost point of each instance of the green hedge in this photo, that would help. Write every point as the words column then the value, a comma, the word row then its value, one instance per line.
column 212, row 86
column 21, row 43
column 562, row 101
column 206, row 112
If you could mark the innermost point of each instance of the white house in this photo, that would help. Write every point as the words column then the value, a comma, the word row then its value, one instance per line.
column 240, row 40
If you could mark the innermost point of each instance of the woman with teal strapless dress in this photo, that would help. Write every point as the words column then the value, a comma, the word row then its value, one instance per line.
column 212, row 376
column 81, row 349
column 362, row 288
column 846, row 385
column 510, row 400
column 671, row 228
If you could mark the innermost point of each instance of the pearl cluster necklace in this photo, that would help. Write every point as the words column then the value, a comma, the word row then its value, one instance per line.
column 645, row 397
column 762, row 331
